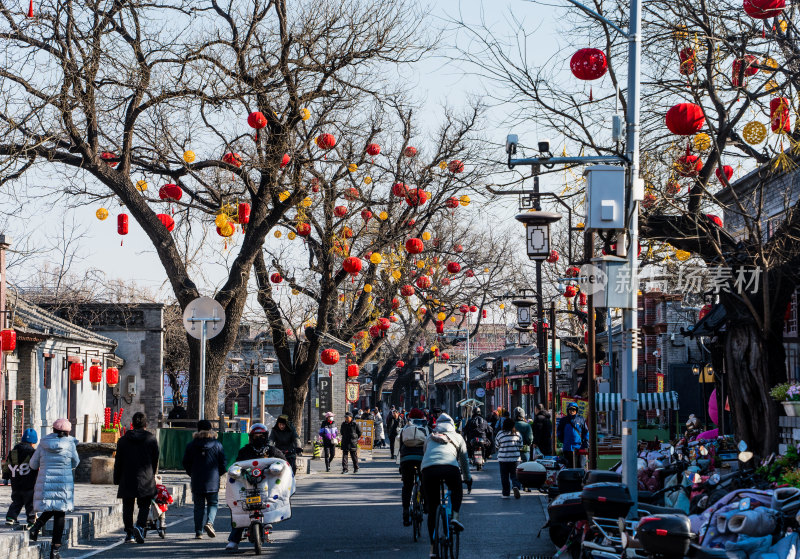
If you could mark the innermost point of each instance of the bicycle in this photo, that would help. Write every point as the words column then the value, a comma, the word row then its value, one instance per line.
column 445, row 539
column 416, row 507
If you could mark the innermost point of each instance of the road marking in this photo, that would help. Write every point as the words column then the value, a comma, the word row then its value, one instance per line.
column 113, row 545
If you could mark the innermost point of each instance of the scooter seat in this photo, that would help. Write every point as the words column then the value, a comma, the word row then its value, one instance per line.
column 648, row 510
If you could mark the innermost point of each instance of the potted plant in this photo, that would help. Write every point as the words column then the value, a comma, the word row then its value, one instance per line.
column 788, row 394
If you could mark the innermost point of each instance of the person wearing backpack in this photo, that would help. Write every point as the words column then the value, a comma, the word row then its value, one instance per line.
column 477, row 431
column 412, row 445
column 17, row 468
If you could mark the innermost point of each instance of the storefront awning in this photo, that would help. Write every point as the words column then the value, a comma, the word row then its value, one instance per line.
column 649, row 401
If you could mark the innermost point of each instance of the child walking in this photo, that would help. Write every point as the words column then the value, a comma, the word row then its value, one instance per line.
column 23, row 479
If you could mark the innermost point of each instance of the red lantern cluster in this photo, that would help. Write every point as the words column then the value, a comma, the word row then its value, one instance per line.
column 326, row 141
column 685, row 119
column 8, row 340
column 166, row 221
column 779, row 115
column 414, row 245
column 570, row 291
column 572, row 272
column 330, row 356
column 553, row 258
column 170, row 192
column 352, row 265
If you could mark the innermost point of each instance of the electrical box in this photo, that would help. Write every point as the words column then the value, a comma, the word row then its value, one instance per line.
column 605, row 197
column 131, row 385
column 614, row 286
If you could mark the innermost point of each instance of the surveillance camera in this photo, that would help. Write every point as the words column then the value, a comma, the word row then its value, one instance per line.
column 544, row 146
column 511, row 144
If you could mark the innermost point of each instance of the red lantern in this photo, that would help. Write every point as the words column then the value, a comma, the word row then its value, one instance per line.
column 724, row 174
column 352, row 370
column 436, row 352
column 395, row 303
column 232, row 159
column 257, row 120
column 303, row 229
column 553, row 258
column 340, row 211
column 373, row 149
column 76, row 372
column 8, row 340
column 451, row 202
column 326, row 141
column 572, row 272
column 276, row 278
column 166, row 221
column 112, row 376
column 399, row 189
column 330, row 356
column 95, row 375
column 423, row 282
column 400, row 364
column 394, row 318
column 589, row 64
column 366, row 215
column 410, row 151
column 439, row 326
column 763, row 9
column 685, row 119
column 673, row 188
column 407, row 290
column 582, row 299
column 750, row 68
column 107, row 156
column 689, row 165
column 285, row 160
column 347, row 233
column 122, row 224
column 464, row 309
column 446, row 356
column 473, row 308
column 352, row 265
column 688, row 59
column 375, row 331
column 414, row 245
column 351, row 194
column 416, row 197
column 453, row 267
column 445, row 281
column 715, row 219
column 469, row 274
column 458, row 248
column 243, row 215
column 779, row 115
column 703, row 312
column 456, row 166
column 170, row 192
column 570, row 291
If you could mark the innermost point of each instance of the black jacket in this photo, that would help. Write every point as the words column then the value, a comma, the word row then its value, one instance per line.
column 247, row 452
column 543, row 432
column 17, row 467
column 394, row 425
column 285, row 440
column 204, row 460
column 136, row 464
column 477, row 427
column 350, row 432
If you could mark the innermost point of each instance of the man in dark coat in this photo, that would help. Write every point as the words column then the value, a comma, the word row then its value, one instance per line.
column 477, row 428
column 350, row 432
column 394, row 425
column 543, row 431
column 135, row 473
column 17, row 468
column 204, row 460
column 284, row 438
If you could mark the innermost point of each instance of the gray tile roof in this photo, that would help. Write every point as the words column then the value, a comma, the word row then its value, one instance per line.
column 30, row 318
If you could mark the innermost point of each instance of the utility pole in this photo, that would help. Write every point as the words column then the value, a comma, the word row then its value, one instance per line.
column 591, row 329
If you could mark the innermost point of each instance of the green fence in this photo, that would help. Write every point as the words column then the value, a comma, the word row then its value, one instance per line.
column 172, row 444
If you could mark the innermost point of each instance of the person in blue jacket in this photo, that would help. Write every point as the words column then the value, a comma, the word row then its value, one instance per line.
column 204, row 460
column 572, row 434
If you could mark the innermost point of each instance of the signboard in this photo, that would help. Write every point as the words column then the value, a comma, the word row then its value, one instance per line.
column 263, row 384
column 325, row 396
column 367, row 433
column 582, row 405
column 480, row 392
column 273, row 397
column 351, row 392
column 659, row 382
column 550, row 353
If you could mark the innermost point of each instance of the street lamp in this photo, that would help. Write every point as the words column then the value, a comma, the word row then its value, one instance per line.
column 524, row 315
column 537, row 233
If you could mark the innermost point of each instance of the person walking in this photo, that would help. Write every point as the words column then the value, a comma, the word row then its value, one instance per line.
column 284, row 438
column 204, row 461
column 525, row 432
column 350, row 432
column 53, row 494
column 572, row 434
column 135, row 470
column 393, row 425
column 17, row 468
column 509, row 446
column 380, row 432
column 543, row 431
column 329, row 435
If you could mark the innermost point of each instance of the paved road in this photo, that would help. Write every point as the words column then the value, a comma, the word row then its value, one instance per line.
column 356, row 515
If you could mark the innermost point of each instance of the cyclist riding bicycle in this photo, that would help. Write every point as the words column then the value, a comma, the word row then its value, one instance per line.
column 444, row 460
column 477, row 432
column 412, row 441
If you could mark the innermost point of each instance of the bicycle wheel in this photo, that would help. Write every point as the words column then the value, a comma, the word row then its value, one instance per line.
column 454, row 544
column 256, row 532
column 442, row 534
column 416, row 513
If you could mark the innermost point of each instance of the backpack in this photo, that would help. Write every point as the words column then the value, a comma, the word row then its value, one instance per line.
column 411, row 435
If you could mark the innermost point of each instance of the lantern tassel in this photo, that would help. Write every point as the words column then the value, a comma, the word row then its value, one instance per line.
column 764, row 30
column 591, row 97
column 256, row 134
column 30, row 9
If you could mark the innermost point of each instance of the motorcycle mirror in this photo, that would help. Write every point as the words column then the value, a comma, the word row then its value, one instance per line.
column 745, row 456
column 235, row 471
column 703, row 451
column 742, row 446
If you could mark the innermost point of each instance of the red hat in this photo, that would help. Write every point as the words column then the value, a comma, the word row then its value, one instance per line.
column 416, row 413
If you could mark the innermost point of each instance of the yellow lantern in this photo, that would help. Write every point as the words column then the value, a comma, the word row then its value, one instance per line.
column 443, row 165
column 452, row 319
column 307, row 201
column 702, row 141
column 441, row 316
column 426, row 236
column 305, row 114
column 420, row 264
column 486, row 270
column 295, row 292
column 783, row 25
column 396, row 274
column 101, row 213
column 580, row 226
column 434, row 348
column 283, row 195
column 464, row 200
column 369, row 299
column 221, row 220
column 682, row 255
column 141, row 186
column 502, row 306
column 188, row 156
column 383, row 216
column 754, row 132
column 367, row 180
column 375, row 258
column 277, row 234
column 227, row 230
column 292, row 235
column 352, row 167
column 367, row 288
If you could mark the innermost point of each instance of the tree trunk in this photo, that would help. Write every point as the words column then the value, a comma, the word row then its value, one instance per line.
column 754, row 413
column 294, row 398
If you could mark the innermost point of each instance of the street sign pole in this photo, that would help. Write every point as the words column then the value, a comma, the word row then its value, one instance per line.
column 200, row 312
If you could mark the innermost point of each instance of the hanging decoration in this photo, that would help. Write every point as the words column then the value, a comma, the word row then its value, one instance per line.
column 464, row 200
column 715, row 219
column 352, row 194
column 750, row 64
column 688, row 166
column 166, row 221
column 724, row 174
column 400, row 364
column 702, row 142
column 188, row 156
column 553, row 258
column 108, row 157
column 423, row 282
column 257, row 121
column 352, row 370
column 589, row 64
column 416, row 197
column 326, row 141
column 101, row 214
column 352, row 265
column 456, row 166
column 8, row 340
column 112, row 376
column 685, row 119
column 285, row 160
column 340, row 211
column 76, row 372
column 754, row 132
column 763, row 9
column 373, row 149
column 170, row 192
column 399, row 189
column 232, row 159
column 122, row 225
column 407, row 290
column 451, row 202
column 305, row 114
column 276, row 278
column 688, row 58
column 243, row 213
column 780, row 120
column 570, row 291
column 30, row 8
column 95, row 375
column 414, row 245
column 376, row 258
column 410, row 151
column 453, row 267
column 329, row 356
column 141, row 186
